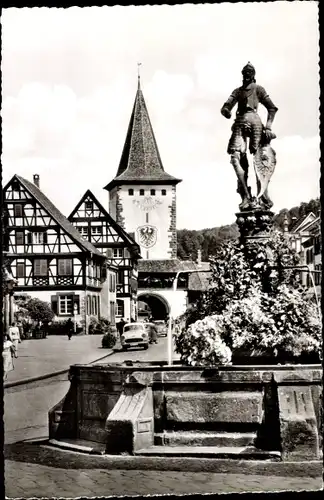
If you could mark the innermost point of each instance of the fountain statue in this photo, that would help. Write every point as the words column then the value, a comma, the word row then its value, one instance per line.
column 248, row 131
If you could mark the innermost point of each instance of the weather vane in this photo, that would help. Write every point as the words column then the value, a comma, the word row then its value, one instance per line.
column 138, row 73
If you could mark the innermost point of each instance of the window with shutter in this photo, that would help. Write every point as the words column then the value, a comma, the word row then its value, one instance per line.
column 20, row 270
column 120, row 277
column 40, row 267
column 65, row 267
column 65, row 304
column 120, row 308
column 54, row 303
column 18, row 211
column 76, row 304
column 20, row 238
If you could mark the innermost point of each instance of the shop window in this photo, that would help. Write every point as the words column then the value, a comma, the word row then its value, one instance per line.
column 152, row 192
column 131, row 192
column 163, row 192
column 141, row 192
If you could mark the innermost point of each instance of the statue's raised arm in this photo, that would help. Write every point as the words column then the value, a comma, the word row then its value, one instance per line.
column 247, row 126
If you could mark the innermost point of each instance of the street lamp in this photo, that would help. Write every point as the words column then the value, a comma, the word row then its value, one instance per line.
column 174, row 289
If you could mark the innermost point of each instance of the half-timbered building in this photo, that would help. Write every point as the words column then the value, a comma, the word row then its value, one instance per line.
column 96, row 226
column 51, row 260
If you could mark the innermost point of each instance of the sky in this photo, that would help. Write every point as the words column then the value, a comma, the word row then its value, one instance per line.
column 69, row 80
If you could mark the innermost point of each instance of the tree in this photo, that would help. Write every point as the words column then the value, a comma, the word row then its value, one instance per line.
column 36, row 309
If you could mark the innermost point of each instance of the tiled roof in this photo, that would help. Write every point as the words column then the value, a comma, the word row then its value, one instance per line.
column 126, row 236
column 300, row 222
column 58, row 216
column 140, row 160
column 169, row 266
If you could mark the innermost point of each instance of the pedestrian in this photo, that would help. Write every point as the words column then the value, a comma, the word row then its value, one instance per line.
column 69, row 328
column 120, row 326
column 153, row 334
column 14, row 336
column 7, row 355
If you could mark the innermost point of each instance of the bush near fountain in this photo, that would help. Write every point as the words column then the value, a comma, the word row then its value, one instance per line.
column 254, row 310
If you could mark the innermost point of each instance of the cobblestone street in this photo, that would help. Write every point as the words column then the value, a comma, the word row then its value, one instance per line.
column 28, row 479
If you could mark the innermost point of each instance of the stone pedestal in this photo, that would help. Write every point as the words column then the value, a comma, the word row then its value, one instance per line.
column 254, row 225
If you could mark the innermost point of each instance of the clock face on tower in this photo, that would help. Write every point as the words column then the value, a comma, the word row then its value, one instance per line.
column 147, row 203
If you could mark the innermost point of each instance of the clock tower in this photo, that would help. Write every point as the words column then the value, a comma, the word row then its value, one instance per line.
column 142, row 196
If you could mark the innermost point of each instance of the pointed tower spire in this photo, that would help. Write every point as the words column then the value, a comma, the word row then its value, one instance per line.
column 140, row 160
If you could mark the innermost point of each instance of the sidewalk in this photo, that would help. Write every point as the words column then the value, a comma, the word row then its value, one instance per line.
column 37, row 358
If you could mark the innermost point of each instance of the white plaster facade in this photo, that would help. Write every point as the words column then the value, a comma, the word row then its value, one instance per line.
column 148, row 216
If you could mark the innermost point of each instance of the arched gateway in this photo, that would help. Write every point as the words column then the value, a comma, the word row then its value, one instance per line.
column 158, row 305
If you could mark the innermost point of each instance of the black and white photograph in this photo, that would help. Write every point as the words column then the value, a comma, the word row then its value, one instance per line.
column 161, row 250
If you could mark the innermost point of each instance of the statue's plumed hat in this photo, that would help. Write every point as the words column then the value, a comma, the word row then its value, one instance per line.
column 249, row 67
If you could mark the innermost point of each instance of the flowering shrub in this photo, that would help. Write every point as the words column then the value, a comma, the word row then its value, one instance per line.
column 253, row 305
column 202, row 344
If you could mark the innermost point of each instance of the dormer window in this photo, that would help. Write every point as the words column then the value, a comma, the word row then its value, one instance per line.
column 131, row 192
column 15, row 186
column 163, row 192
column 142, row 192
column 152, row 192
column 89, row 205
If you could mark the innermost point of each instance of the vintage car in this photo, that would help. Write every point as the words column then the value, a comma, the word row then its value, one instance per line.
column 134, row 335
column 161, row 327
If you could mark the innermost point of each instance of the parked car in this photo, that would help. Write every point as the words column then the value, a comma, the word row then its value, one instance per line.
column 134, row 335
column 161, row 327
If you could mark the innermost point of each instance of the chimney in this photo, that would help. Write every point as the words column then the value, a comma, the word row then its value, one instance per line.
column 199, row 257
column 36, row 180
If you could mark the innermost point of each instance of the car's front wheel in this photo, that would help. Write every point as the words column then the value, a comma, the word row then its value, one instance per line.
column 124, row 347
column 145, row 346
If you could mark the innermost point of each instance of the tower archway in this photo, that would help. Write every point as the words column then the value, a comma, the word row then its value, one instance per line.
column 158, row 306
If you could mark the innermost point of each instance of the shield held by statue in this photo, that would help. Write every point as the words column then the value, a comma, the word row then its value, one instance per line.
column 147, row 235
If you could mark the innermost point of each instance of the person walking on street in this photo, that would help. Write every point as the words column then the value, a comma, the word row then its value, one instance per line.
column 69, row 328
column 153, row 334
column 120, row 326
column 7, row 355
column 14, row 336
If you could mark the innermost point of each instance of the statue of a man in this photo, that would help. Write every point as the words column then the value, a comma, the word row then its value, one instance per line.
column 248, row 125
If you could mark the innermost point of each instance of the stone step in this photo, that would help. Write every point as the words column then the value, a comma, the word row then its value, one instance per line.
column 235, row 452
column 204, row 438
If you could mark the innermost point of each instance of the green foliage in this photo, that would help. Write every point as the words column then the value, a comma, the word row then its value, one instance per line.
column 34, row 309
column 108, row 340
column 209, row 240
column 253, row 304
column 99, row 327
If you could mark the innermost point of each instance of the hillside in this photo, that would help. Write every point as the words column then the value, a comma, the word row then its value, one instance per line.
column 190, row 241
